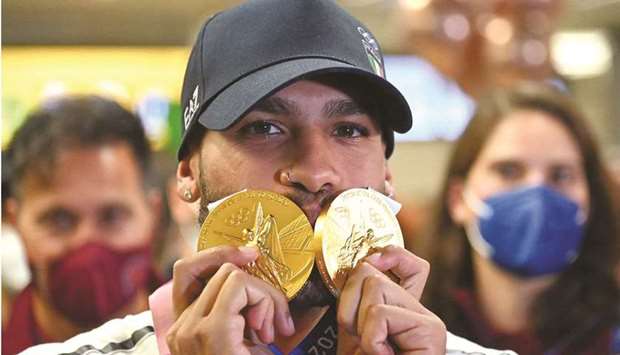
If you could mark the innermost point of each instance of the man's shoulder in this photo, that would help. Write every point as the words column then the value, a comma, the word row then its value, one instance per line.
column 133, row 334
column 456, row 345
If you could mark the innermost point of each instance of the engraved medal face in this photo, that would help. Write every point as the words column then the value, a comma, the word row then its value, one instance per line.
column 357, row 221
column 273, row 224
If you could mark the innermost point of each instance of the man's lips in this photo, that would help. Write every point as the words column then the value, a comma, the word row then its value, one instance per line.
column 311, row 204
column 312, row 212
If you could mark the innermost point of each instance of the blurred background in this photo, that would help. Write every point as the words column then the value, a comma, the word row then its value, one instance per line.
column 442, row 54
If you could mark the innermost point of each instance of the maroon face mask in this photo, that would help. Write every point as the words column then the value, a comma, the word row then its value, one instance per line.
column 94, row 281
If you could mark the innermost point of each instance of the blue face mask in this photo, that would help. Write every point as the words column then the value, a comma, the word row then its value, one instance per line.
column 529, row 231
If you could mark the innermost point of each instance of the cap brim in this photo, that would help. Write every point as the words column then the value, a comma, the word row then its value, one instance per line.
column 237, row 99
column 234, row 101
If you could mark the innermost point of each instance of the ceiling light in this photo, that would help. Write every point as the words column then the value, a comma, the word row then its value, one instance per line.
column 415, row 5
column 456, row 27
column 498, row 31
column 534, row 52
column 581, row 54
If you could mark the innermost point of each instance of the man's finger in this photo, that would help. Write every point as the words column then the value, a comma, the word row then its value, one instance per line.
column 351, row 295
column 408, row 331
column 382, row 290
column 192, row 273
column 241, row 290
column 409, row 268
column 204, row 303
column 198, row 321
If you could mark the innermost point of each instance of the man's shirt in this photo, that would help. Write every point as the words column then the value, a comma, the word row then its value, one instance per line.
column 22, row 330
column 136, row 335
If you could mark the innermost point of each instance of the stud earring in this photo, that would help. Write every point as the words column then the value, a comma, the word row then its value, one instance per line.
column 289, row 175
column 187, row 194
column 389, row 189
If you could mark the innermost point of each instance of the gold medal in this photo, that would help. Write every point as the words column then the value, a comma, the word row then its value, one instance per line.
column 272, row 223
column 356, row 221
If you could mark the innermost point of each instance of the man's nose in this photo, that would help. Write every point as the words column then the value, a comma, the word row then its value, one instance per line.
column 86, row 231
column 314, row 164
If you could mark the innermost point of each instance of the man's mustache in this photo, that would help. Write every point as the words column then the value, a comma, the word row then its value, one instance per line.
column 301, row 198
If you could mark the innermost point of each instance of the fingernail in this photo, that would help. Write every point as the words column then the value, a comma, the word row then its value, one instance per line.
column 291, row 324
column 373, row 258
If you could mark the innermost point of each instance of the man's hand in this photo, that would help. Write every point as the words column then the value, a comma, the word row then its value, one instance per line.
column 216, row 302
column 387, row 317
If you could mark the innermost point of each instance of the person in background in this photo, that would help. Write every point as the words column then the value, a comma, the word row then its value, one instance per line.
column 86, row 217
column 526, row 240
column 178, row 230
column 15, row 272
column 614, row 167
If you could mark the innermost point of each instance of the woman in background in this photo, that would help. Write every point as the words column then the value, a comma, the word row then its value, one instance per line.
column 526, row 241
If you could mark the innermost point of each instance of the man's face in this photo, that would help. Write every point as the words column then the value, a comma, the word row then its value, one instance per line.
column 95, row 195
column 308, row 141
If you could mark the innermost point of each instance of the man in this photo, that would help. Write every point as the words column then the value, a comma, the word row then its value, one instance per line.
column 286, row 96
column 15, row 272
column 81, row 205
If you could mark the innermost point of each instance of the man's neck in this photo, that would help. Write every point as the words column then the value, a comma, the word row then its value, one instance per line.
column 506, row 300
column 55, row 327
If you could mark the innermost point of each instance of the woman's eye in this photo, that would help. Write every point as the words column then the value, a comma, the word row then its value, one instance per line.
column 261, row 128
column 562, row 175
column 350, row 131
column 509, row 171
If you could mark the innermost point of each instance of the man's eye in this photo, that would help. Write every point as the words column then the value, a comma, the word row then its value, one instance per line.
column 261, row 128
column 350, row 131
column 60, row 221
column 113, row 216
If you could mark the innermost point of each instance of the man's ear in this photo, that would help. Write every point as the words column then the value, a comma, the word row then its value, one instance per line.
column 154, row 203
column 10, row 214
column 389, row 188
column 11, row 207
column 459, row 212
column 188, row 172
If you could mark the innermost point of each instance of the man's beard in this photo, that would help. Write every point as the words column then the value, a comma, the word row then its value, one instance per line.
column 314, row 293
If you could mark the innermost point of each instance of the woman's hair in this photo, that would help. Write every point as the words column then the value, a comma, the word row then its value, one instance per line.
column 586, row 294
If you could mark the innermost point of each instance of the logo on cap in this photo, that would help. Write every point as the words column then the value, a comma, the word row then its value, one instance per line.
column 372, row 51
column 191, row 108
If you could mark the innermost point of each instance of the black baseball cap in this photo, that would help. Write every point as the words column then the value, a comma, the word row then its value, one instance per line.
column 245, row 54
